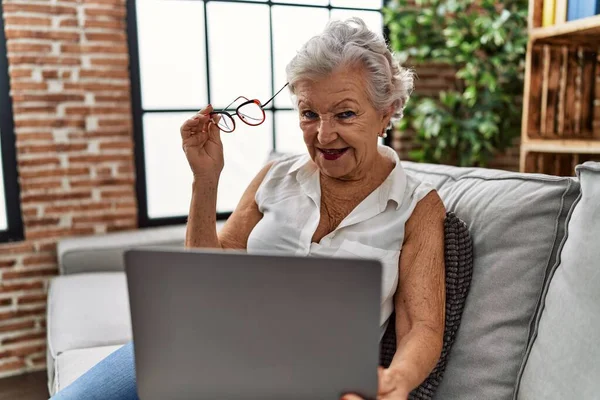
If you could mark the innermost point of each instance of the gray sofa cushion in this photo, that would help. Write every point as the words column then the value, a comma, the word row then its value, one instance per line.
column 517, row 222
column 458, row 255
column 105, row 252
column 564, row 357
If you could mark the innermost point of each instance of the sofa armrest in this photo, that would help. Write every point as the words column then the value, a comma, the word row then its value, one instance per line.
column 104, row 253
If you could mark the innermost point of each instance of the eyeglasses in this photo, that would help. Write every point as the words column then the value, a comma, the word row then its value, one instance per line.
column 250, row 112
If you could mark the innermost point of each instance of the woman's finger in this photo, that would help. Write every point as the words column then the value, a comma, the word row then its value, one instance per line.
column 190, row 127
column 351, row 397
column 386, row 382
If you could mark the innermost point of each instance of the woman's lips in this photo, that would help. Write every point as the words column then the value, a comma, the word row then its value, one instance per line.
column 333, row 154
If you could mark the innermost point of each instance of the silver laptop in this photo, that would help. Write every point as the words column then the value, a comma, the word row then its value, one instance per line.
column 229, row 325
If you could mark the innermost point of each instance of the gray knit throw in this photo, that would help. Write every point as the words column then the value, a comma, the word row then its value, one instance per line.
column 459, row 270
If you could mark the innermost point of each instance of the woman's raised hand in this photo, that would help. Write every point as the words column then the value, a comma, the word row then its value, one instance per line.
column 201, row 142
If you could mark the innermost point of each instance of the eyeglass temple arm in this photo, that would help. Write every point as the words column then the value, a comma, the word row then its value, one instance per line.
column 271, row 99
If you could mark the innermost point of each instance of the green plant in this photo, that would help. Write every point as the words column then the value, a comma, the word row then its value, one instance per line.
column 485, row 42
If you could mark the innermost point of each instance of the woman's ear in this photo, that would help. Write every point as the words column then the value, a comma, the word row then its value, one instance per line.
column 387, row 117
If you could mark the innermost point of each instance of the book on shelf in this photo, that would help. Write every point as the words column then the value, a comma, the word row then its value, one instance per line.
column 548, row 10
column 577, row 9
column 560, row 12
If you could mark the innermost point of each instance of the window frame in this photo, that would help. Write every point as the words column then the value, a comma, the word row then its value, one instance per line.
column 138, row 111
column 14, row 230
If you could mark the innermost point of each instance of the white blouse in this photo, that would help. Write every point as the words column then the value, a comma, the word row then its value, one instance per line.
column 290, row 199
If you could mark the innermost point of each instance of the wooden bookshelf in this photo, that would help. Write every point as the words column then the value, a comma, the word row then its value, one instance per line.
column 561, row 99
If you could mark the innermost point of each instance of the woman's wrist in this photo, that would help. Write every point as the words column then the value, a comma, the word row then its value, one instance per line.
column 404, row 379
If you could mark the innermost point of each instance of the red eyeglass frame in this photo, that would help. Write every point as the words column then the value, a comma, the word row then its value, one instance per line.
column 240, row 115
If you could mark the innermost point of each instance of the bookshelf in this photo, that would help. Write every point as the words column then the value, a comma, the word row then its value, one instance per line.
column 561, row 99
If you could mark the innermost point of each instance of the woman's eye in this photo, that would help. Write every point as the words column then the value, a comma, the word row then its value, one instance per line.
column 346, row 114
column 309, row 114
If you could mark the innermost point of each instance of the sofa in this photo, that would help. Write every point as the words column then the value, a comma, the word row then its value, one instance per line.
column 529, row 324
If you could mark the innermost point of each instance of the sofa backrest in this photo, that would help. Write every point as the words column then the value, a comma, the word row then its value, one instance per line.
column 103, row 253
column 517, row 223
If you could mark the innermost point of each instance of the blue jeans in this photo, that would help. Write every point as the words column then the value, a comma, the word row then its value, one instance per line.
column 112, row 378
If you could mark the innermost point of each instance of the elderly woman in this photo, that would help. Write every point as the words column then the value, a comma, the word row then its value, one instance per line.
column 347, row 197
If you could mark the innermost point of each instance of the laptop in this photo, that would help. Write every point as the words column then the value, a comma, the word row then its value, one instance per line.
column 230, row 325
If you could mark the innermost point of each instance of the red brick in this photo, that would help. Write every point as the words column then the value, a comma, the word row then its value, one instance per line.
column 28, row 47
column 30, row 273
column 79, row 207
column 38, row 222
column 27, row 21
column 112, row 62
column 17, row 33
column 130, row 205
column 54, row 148
column 98, row 110
column 116, row 12
column 48, row 97
column 56, row 123
column 12, row 366
column 97, row 86
column 44, row 185
column 49, row 197
column 69, row 23
column 118, row 194
column 20, row 73
column 26, row 350
column 16, row 248
column 16, row 287
column 5, row 302
column 125, row 169
column 116, row 145
column 106, row 37
column 20, row 85
column 39, row 361
column 38, row 8
column 106, row 2
column 103, row 123
column 7, row 263
column 105, row 74
column 110, row 24
column 17, row 326
column 32, row 298
column 128, row 226
column 40, row 259
column 98, row 158
column 127, row 216
column 121, row 96
column 43, row 60
column 101, row 134
column 77, row 171
column 58, row 233
column 102, row 182
column 46, row 246
column 28, row 109
column 36, row 162
column 22, row 313
column 50, row 74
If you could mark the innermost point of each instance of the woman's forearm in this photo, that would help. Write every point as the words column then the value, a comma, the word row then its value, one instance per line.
column 418, row 351
column 202, row 219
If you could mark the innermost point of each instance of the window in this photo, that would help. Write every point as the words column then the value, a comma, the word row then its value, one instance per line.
column 186, row 54
column 11, row 226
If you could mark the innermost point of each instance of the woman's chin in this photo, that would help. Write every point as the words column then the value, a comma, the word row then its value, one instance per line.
column 335, row 167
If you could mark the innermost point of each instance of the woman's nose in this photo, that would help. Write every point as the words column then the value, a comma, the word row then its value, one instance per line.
column 327, row 132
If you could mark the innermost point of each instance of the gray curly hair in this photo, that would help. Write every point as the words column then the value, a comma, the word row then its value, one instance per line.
column 349, row 42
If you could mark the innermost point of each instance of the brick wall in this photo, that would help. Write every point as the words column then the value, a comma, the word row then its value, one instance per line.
column 68, row 64
column 432, row 79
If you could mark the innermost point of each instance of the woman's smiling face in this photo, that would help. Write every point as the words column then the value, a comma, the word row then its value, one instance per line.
column 339, row 123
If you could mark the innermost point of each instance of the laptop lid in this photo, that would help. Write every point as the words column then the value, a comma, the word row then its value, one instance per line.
column 230, row 325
